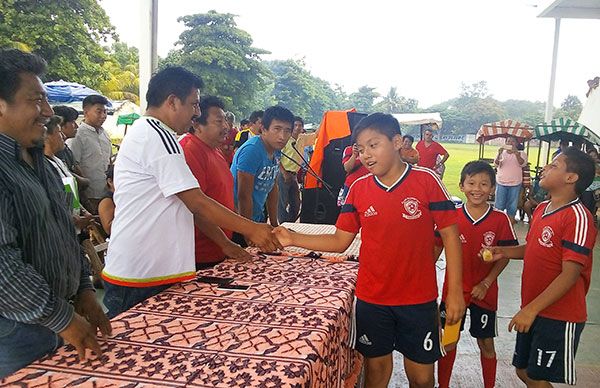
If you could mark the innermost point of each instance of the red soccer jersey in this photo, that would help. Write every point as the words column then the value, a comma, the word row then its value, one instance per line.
column 358, row 170
column 492, row 229
column 212, row 172
column 396, row 254
column 567, row 233
column 428, row 155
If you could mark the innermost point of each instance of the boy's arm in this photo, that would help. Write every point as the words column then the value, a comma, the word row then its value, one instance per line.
column 481, row 289
column 523, row 320
column 455, row 302
column 272, row 202
column 244, row 192
column 502, row 253
column 337, row 242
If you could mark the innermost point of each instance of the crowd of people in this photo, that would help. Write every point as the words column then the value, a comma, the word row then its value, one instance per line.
column 187, row 190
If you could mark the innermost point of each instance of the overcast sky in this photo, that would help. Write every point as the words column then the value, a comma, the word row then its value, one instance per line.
column 425, row 48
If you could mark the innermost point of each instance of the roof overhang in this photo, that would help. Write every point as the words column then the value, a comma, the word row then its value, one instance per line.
column 574, row 9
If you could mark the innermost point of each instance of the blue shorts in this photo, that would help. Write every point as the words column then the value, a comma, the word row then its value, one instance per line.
column 412, row 330
column 548, row 350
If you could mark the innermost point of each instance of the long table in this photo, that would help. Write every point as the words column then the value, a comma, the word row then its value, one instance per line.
column 291, row 328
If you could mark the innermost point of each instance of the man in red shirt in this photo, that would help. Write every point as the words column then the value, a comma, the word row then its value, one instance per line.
column 429, row 151
column 397, row 206
column 227, row 146
column 206, row 161
column 354, row 170
column 557, row 266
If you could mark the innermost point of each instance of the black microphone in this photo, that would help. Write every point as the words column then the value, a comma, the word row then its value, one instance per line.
column 309, row 168
column 326, row 185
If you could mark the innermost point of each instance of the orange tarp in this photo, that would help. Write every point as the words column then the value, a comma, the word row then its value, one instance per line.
column 334, row 125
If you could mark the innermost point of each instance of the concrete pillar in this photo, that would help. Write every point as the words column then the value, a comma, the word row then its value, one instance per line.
column 148, row 46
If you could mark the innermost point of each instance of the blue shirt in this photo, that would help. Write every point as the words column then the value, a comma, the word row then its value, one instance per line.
column 252, row 158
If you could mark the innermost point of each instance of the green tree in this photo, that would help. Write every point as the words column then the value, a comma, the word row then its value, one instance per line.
column 213, row 47
column 66, row 33
column 122, row 81
column 570, row 107
column 394, row 103
column 363, row 99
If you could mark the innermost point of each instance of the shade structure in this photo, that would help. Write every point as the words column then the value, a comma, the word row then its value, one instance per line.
column 504, row 128
column 66, row 92
column 565, row 128
column 127, row 119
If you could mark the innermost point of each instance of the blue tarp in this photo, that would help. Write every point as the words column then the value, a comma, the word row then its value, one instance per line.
column 65, row 92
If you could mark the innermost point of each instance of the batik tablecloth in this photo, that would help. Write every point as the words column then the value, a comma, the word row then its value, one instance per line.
column 290, row 329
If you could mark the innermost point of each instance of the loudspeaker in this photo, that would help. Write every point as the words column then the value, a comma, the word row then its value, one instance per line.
column 319, row 207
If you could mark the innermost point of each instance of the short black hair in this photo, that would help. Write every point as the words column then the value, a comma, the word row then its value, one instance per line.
column 583, row 165
column 383, row 123
column 53, row 124
column 257, row 114
column 173, row 80
column 13, row 63
column 94, row 99
column 298, row 118
column 476, row 167
column 66, row 112
column 409, row 137
column 277, row 112
column 206, row 103
column 244, row 122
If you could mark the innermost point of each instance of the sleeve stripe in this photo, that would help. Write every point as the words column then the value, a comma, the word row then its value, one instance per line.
column 170, row 138
column 575, row 247
column 581, row 226
column 443, row 205
column 510, row 225
column 347, row 208
column 437, row 179
column 161, row 135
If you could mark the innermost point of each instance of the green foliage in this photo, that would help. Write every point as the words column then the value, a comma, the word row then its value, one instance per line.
column 570, row 107
column 394, row 103
column 363, row 99
column 66, row 33
column 223, row 56
column 122, row 81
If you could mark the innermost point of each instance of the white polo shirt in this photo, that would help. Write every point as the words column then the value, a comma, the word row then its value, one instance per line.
column 152, row 238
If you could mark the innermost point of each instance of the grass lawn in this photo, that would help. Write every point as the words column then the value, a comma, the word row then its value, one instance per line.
column 460, row 154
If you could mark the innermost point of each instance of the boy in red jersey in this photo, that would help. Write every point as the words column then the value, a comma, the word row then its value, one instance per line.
column 480, row 226
column 396, row 205
column 557, row 265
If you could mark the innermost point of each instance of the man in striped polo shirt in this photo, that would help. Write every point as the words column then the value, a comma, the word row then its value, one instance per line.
column 46, row 295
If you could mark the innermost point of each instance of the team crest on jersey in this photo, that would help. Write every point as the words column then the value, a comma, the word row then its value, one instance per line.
column 411, row 205
column 488, row 238
column 546, row 238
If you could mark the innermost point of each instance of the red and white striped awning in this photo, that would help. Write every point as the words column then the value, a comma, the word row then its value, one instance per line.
column 504, row 128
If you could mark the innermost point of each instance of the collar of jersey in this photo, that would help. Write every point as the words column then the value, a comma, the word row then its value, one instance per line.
column 395, row 184
column 480, row 219
column 544, row 214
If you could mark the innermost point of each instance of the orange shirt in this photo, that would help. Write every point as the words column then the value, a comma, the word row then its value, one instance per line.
column 410, row 153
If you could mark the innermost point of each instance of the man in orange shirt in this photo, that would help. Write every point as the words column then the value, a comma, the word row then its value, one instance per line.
column 407, row 152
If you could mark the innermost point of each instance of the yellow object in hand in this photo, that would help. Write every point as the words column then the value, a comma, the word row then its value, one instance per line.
column 450, row 334
column 487, row 255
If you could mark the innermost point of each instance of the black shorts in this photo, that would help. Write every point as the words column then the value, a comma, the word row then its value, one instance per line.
column 548, row 351
column 412, row 330
column 484, row 323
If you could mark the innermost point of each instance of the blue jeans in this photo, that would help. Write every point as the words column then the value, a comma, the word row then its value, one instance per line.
column 118, row 299
column 507, row 198
column 289, row 194
column 22, row 343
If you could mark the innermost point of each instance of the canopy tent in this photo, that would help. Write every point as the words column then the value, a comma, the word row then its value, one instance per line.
column 419, row 118
column 67, row 92
column 505, row 128
column 319, row 196
column 127, row 119
column 590, row 114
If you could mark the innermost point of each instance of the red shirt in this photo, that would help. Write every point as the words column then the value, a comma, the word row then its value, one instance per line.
column 212, row 172
column 227, row 146
column 492, row 229
column 358, row 170
column 428, row 155
column 567, row 233
column 396, row 268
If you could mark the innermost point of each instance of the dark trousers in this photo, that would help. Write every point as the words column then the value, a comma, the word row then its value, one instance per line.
column 118, row 299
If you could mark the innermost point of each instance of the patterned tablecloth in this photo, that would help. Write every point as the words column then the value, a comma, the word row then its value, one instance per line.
column 290, row 329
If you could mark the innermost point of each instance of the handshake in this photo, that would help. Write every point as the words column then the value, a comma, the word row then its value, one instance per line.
column 268, row 238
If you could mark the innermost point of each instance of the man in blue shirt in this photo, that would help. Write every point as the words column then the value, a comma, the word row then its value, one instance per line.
column 255, row 167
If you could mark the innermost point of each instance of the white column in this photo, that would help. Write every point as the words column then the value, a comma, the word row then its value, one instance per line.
column 550, row 101
column 148, row 46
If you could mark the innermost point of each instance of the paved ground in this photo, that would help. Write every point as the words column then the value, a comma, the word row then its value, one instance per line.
column 467, row 370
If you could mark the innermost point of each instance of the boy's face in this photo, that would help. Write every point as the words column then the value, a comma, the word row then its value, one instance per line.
column 69, row 129
column 95, row 115
column 477, row 188
column 555, row 175
column 278, row 134
column 378, row 153
column 406, row 143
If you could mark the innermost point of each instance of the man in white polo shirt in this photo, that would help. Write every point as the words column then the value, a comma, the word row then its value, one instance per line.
column 157, row 199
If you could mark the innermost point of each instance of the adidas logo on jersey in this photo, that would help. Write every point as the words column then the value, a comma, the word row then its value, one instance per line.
column 365, row 340
column 370, row 212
